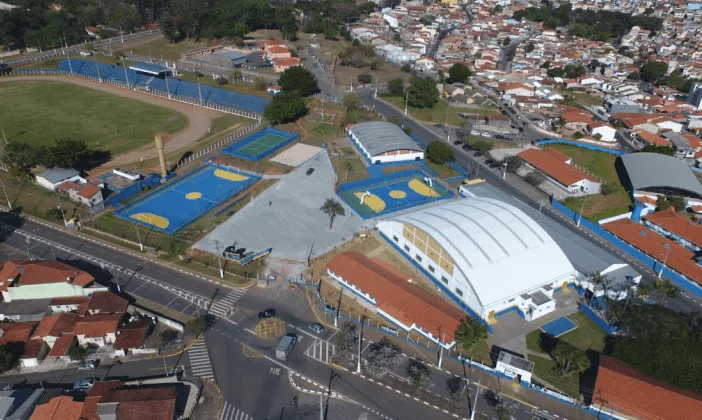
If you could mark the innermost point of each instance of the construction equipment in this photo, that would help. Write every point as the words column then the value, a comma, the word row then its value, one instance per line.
column 241, row 257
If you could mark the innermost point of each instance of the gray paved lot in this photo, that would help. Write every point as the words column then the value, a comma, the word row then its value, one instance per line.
column 287, row 217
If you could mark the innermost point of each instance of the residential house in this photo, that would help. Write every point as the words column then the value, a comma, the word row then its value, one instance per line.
column 576, row 121
column 63, row 407
column 87, row 194
column 672, row 225
column 51, row 178
column 99, row 330
column 605, row 131
column 21, row 279
column 558, row 170
column 648, row 138
column 277, row 52
column 282, row 64
column 393, row 296
column 681, row 145
column 665, row 123
column 131, row 336
column 516, row 89
column 273, row 90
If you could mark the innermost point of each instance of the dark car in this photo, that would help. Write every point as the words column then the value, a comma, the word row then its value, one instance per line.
column 499, row 137
column 521, row 130
column 309, row 171
column 293, row 336
column 268, row 313
column 524, row 123
column 494, row 165
column 457, row 142
column 489, row 161
column 467, row 147
column 476, row 154
column 439, row 125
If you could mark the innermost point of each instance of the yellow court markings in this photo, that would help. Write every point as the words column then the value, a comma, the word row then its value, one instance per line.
column 193, row 195
column 422, row 189
column 397, row 194
column 270, row 328
column 249, row 352
column 230, row 176
column 152, row 219
column 373, row 201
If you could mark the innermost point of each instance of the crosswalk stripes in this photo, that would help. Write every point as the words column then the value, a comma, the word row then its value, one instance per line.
column 224, row 307
column 321, row 350
column 232, row 413
column 200, row 360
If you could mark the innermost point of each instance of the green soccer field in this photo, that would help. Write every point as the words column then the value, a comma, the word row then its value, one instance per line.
column 262, row 144
column 38, row 112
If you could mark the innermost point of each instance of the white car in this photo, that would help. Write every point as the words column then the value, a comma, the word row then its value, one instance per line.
column 88, row 365
column 84, row 385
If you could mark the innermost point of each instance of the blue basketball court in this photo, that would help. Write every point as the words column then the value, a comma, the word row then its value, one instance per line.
column 558, row 327
column 176, row 205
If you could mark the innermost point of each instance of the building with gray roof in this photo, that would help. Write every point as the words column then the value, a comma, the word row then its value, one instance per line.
column 51, row 178
column 658, row 174
column 384, row 142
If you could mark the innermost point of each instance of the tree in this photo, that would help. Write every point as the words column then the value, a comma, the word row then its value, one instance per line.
column 653, row 70
column 332, row 208
column 662, row 203
column 406, row 68
column 351, row 102
column 555, row 72
column 514, row 163
column 598, row 281
column 365, row 78
column 470, row 332
column 196, row 326
column 20, row 154
column 396, row 87
column 598, row 136
column 530, row 47
column 168, row 337
column 506, row 41
column 395, row 120
column 259, row 83
column 330, row 32
column 569, row 358
column 285, row 107
column 573, row 72
column 439, row 152
column 546, row 64
column 677, row 202
column 654, row 148
column 535, row 178
column 77, row 353
column 667, row 290
column 347, row 341
column 504, row 411
column 422, row 93
column 577, row 135
column 357, row 55
column 67, row 153
column 383, row 357
column 482, row 146
column 236, row 75
column 459, row 73
column 417, row 373
column 348, row 168
column 608, row 187
column 239, row 30
column 456, row 387
column 298, row 79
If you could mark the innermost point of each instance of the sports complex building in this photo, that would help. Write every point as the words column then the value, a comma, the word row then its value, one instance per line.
column 384, row 142
column 655, row 174
column 485, row 253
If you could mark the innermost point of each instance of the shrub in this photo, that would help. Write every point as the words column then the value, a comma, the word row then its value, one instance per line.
column 535, row 178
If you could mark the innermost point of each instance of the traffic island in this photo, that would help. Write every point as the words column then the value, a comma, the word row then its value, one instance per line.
column 270, row 328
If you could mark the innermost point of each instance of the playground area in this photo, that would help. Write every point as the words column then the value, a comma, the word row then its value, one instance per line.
column 261, row 144
column 399, row 191
column 558, row 327
column 175, row 206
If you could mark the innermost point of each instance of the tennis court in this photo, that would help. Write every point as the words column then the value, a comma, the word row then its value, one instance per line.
column 176, row 205
column 261, row 144
column 388, row 194
column 558, row 327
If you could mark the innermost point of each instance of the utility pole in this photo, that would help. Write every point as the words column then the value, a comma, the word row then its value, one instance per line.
column 338, row 309
column 52, row 252
column 60, row 207
column 375, row 96
column 114, row 273
column 580, row 216
column 405, row 114
column 504, row 173
column 665, row 260
column 475, row 404
column 141, row 245
column 441, row 348
column 98, row 72
column 168, row 89
column 126, row 76
column 121, row 34
column 4, row 136
column 199, row 91
column 9, row 205
column 70, row 67
column 219, row 262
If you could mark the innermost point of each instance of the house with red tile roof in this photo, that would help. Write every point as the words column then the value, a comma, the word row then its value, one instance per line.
column 63, row 407
column 282, row 64
column 576, row 121
column 567, row 177
column 623, row 392
column 93, row 398
column 131, row 402
column 395, row 298
column 131, row 336
column 676, row 257
column 20, row 279
column 672, row 225
column 649, row 138
column 99, row 330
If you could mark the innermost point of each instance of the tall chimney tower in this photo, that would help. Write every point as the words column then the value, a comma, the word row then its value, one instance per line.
column 158, row 139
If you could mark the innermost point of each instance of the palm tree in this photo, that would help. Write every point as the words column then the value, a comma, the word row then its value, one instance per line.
column 668, row 289
column 332, row 208
column 348, row 168
column 597, row 280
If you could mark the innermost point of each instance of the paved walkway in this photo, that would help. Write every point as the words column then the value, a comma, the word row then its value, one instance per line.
column 199, row 119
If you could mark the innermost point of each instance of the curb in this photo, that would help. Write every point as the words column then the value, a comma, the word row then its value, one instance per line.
column 312, row 391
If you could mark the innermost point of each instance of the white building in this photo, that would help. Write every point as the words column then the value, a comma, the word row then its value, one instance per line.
column 53, row 177
column 514, row 366
column 383, row 142
column 605, row 130
column 486, row 254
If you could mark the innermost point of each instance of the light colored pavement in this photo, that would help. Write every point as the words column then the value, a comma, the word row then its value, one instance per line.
column 200, row 363
column 199, row 119
column 287, row 216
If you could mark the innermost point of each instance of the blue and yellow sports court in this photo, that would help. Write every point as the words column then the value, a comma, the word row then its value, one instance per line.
column 261, row 144
column 558, row 327
column 391, row 193
column 175, row 206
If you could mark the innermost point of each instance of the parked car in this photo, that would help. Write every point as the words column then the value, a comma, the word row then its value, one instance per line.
column 494, row 165
column 88, row 365
column 84, row 385
column 439, row 125
column 268, row 313
column 316, row 327
column 309, row 171
column 489, row 161
column 467, row 147
column 476, row 154
column 457, row 142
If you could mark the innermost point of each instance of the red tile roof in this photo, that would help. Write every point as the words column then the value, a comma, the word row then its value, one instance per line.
column 97, row 325
column 93, row 397
column 395, row 295
column 88, row 191
column 62, row 345
column 649, row 242
column 553, row 167
column 41, row 272
column 32, row 349
column 56, row 325
column 58, row 408
column 107, row 302
column 132, row 334
column 133, row 402
column 290, row 61
column 671, row 221
column 570, row 117
column 555, row 153
column 632, row 393
column 651, row 138
column 16, row 331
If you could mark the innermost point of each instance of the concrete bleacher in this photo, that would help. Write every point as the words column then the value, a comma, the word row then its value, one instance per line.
column 210, row 95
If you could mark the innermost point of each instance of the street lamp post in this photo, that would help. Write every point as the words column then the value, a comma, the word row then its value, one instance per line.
column 665, row 260
column 580, row 216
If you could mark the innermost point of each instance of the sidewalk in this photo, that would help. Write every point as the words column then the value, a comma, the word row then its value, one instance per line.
column 210, row 404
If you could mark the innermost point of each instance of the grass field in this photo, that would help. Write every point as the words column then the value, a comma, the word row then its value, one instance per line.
column 161, row 48
column 546, row 370
column 433, row 115
column 241, row 87
column 588, row 336
column 600, row 164
column 496, row 144
column 37, row 112
column 444, row 171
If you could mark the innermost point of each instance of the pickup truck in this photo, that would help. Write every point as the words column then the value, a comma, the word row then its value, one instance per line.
column 284, row 347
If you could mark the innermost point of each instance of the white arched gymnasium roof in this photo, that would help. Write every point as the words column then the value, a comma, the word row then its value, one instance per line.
column 501, row 251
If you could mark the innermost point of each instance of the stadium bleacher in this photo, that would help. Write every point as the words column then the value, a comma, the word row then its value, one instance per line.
column 176, row 86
